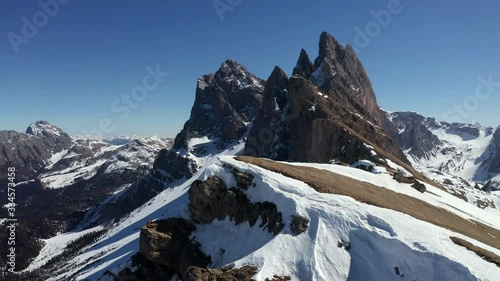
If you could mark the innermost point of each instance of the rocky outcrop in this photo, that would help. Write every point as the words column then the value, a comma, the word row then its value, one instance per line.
column 299, row 224
column 211, row 199
column 225, row 103
column 167, row 245
column 419, row 186
column 173, row 165
column 270, row 133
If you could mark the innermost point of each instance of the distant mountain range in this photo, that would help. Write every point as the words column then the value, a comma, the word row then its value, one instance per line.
column 326, row 186
column 60, row 178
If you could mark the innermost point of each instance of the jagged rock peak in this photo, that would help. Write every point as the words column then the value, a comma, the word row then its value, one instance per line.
column 236, row 74
column 225, row 103
column 329, row 47
column 270, row 133
column 338, row 69
column 304, row 66
column 277, row 73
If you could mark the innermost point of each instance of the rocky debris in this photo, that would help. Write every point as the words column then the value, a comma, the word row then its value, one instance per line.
column 211, row 199
column 399, row 177
column 227, row 274
column 299, row 224
column 270, row 133
column 419, row 186
column 166, row 243
column 225, row 103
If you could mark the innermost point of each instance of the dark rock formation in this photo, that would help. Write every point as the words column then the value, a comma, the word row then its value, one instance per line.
column 328, row 128
column 304, row 65
column 211, row 199
column 399, row 177
column 419, row 186
column 174, row 165
column 225, row 102
column 166, row 244
column 329, row 114
column 339, row 69
column 243, row 180
column 270, row 133
column 299, row 224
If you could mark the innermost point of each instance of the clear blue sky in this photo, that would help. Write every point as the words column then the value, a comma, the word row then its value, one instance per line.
column 426, row 59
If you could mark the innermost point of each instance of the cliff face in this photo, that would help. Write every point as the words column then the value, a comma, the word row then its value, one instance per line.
column 325, row 111
column 338, row 69
column 270, row 133
column 224, row 105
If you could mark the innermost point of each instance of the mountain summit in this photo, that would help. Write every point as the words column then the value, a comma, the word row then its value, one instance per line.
column 226, row 101
column 324, row 112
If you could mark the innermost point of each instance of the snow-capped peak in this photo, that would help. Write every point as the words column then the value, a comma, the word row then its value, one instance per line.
column 43, row 129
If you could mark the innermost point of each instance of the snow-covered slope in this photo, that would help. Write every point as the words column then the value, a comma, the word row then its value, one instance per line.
column 86, row 157
column 461, row 157
column 384, row 244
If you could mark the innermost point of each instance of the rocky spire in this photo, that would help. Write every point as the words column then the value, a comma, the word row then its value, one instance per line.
column 330, row 114
column 304, row 65
column 270, row 134
column 225, row 103
column 338, row 69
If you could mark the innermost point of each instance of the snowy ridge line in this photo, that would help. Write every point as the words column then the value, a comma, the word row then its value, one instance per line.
column 381, row 239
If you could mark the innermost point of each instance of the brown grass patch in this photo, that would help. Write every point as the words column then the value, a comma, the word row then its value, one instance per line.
column 327, row 182
column 484, row 254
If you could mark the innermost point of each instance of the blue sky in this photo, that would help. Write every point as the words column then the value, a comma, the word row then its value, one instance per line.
column 426, row 58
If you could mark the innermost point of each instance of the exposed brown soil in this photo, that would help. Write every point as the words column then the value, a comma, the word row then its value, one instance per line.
column 327, row 182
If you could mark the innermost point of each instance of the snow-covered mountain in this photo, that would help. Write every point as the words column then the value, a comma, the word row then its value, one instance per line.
column 201, row 213
column 461, row 157
column 59, row 178
column 344, row 239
